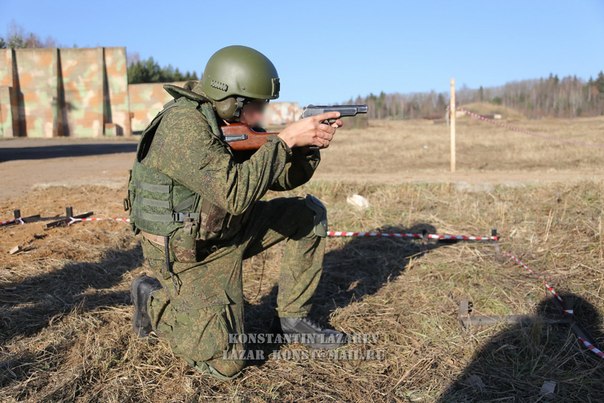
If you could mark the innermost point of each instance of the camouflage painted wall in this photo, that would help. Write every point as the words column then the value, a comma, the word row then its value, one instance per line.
column 6, row 113
column 117, row 102
column 8, row 99
column 84, row 93
column 64, row 92
column 282, row 113
column 6, row 68
column 37, row 90
column 146, row 100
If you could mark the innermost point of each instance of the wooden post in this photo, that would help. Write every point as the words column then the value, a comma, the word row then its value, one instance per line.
column 452, row 113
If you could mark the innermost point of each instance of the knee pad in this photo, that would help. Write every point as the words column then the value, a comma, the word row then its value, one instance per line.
column 320, row 215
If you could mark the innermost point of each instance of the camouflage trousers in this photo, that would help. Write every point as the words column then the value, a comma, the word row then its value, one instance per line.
column 197, row 319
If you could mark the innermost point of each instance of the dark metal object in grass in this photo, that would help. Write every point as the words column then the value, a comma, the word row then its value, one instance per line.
column 18, row 219
column 31, row 218
column 68, row 219
column 469, row 320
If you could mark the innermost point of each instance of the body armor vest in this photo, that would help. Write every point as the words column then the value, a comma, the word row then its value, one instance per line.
column 160, row 205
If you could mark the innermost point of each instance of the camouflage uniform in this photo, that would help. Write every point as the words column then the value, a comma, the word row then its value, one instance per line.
column 197, row 316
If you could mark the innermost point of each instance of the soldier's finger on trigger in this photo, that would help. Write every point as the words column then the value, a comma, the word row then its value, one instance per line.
column 326, row 116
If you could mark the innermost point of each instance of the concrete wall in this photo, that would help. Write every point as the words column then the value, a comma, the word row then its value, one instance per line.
column 84, row 93
column 8, row 96
column 6, row 112
column 282, row 113
column 37, row 89
column 146, row 100
column 82, row 79
column 64, row 92
column 117, row 102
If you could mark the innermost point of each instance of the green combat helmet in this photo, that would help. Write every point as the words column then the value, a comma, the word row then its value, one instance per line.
column 236, row 73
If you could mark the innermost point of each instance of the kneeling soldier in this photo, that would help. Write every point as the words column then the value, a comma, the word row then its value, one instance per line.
column 198, row 209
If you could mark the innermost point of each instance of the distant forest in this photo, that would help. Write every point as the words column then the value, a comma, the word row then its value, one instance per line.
column 139, row 70
column 149, row 71
column 552, row 96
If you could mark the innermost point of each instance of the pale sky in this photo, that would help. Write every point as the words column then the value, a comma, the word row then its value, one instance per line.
column 330, row 51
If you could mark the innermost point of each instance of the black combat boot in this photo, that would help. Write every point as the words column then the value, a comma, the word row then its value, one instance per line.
column 140, row 291
column 309, row 333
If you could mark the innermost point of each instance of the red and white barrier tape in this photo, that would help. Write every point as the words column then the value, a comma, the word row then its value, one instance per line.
column 549, row 288
column 331, row 234
column 118, row 219
column 13, row 221
column 400, row 235
column 591, row 347
column 407, row 235
column 345, row 234
column 480, row 117
column 532, row 272
column 566, row 311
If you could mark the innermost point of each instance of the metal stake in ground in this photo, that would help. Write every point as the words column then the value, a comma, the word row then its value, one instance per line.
column 20, row 220
column 23, row 220
column 69, row 218
column 468, row 320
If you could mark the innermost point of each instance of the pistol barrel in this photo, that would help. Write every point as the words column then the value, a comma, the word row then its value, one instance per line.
column 345, row 110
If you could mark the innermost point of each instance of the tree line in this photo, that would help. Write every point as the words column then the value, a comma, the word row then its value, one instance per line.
column 139, row 71
column 17, row 37
column 552, row 96
column 149, row 71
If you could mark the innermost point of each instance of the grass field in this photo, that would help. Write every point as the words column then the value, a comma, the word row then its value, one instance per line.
column 64, row 306
column 418, row 150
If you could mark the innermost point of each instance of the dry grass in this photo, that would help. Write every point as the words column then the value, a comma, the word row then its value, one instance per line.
column 64, row 304
column 64, row 313
column 385, row 152
column 418, row 150
column 486, row 108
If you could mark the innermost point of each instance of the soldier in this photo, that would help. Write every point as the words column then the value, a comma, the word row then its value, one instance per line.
column 199, row 211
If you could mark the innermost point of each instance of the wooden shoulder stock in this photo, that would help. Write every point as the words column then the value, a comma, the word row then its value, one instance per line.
column 243, row 138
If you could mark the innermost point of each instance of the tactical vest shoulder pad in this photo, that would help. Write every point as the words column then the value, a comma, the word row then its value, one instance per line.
column 178, row 92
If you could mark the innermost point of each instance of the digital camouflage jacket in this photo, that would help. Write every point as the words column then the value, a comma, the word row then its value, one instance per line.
column 188, row 148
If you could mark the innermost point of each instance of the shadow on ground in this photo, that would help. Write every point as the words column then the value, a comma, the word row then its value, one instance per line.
column 360, row 268
column 28, row 306
column 66, row 150
column 515, row 363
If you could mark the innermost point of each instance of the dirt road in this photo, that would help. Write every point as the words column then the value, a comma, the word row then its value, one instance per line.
column 38, row 167
column 31, row 163
column 386, row 152
column 64, row 298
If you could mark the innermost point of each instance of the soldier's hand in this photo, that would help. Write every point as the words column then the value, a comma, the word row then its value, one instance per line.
column 311, row 131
